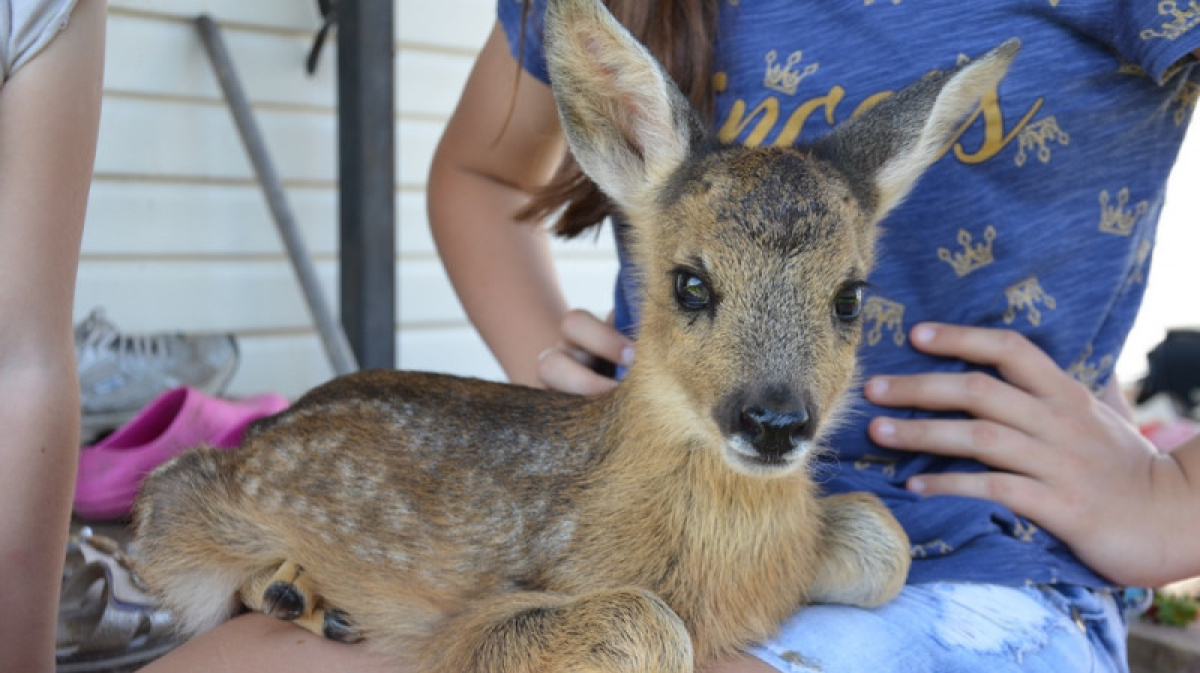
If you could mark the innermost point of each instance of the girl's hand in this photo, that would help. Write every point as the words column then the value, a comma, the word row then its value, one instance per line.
column 1061, row 457
column 587, row 344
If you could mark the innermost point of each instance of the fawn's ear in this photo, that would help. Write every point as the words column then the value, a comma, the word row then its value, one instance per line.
column 627, row 124
column 885, row 150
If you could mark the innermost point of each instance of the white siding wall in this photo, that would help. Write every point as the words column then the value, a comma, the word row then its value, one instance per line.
column 178, row 235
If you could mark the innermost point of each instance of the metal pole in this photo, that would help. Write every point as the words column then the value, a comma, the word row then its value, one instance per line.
column 337, row 347
column 366, row 122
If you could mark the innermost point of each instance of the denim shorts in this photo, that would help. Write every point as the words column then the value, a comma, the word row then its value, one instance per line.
column 951, row 627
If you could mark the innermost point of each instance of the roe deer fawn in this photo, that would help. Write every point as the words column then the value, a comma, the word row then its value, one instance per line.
column 463, row 525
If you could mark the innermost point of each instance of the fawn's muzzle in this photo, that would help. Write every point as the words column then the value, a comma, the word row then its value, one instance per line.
column 774, row 433
column 768, row 425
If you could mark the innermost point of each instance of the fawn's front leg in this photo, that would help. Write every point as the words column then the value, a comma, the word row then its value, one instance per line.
column 608, row 631
column 866, row 555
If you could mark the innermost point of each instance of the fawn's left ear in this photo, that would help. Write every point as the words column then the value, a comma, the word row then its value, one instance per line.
column 885, row 150
column 628, row 125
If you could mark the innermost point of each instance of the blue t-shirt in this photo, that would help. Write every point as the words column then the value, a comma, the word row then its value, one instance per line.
column 1040, row 217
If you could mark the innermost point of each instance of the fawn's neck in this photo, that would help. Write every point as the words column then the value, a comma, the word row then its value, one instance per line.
column 713, row 541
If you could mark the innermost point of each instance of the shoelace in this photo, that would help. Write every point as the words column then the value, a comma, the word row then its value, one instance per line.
column 102, row 338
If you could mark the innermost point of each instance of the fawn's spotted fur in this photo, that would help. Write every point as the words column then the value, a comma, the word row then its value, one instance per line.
column 471, row 526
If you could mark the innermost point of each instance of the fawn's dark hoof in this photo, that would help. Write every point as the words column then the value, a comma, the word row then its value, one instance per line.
column 337, row 627
column 283, row 600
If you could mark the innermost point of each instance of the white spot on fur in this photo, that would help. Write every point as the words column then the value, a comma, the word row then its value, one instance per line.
column 252, row 486
column 201, row 601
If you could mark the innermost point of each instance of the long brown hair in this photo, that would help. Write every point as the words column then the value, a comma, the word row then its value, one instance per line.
column 680, row 33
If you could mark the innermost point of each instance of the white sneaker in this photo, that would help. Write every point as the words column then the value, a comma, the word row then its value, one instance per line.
column 119, row 374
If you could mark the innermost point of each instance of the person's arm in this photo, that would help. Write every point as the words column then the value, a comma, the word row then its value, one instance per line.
column 49, row 114
column 485, row 168
column 1063, row 458
column 498, row 148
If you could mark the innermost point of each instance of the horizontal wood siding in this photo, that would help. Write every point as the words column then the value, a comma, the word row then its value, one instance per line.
column 178, row 235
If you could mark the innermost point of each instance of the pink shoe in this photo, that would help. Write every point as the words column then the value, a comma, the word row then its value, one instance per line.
column 111, row 471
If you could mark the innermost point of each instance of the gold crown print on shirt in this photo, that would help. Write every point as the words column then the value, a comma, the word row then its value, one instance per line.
column 973, row 256
column 1038, row 136
column 1088, row 371
column 1186, row 99
column 1179, row 20
column 1028, row 297
column 883, row 315
column 1115, row 218
column 783, row 78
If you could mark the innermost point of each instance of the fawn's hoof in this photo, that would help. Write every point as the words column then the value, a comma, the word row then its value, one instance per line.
column 336, row 626
column 284, row 600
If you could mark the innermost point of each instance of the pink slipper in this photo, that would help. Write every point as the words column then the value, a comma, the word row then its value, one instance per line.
column 179, row 419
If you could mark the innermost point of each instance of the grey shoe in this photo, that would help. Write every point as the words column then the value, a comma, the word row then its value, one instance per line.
column 119, row 374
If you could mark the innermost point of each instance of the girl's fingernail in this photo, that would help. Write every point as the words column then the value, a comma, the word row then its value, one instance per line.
column 924, row 334
column 885, row 429
column 916, row 485
column 627, row 355
column 877, row 387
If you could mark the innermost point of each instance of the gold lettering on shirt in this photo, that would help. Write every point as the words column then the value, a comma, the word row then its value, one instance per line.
column 995, row 137
column 770, row 115
column 767, row 113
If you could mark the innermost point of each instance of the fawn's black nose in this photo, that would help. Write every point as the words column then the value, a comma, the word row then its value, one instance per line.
column 771, row 420
column 774, row 433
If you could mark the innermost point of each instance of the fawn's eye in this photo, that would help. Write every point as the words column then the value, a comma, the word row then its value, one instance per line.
column 691, row 292
column 847, row 305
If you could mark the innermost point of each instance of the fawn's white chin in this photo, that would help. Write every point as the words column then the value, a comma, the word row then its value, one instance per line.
column 742, row 456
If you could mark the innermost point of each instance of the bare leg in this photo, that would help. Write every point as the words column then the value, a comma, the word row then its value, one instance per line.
column 254, row 642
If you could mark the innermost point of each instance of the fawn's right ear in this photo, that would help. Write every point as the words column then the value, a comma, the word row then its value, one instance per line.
column 884, row 150
column 627, row 123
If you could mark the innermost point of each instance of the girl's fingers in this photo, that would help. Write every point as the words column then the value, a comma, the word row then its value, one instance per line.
column 569, row 371
column 974, row 393
column 1017, row 359
column 990, row 443
column 596, row 337
column 1026, row 497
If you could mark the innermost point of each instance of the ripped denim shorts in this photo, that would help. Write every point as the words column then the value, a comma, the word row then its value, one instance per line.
column 953, row 627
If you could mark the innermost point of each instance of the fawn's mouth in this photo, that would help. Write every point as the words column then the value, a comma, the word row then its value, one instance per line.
column 748, row 460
